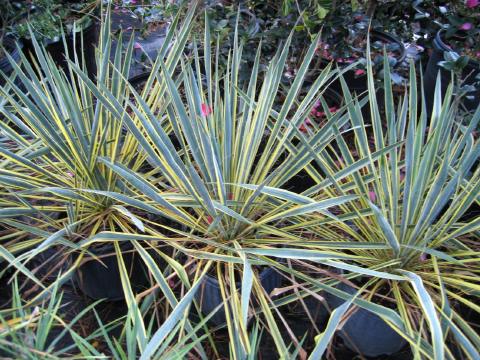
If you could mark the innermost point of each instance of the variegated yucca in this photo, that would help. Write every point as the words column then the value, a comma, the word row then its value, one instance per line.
column 71, row 140
column 204, row 163
column 417, row 179
column 232, row 148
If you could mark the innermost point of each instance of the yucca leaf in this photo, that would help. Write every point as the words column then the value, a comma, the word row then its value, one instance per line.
column 428, row 307
column 323, row 340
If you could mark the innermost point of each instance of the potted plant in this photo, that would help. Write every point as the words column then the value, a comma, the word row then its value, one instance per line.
column 52, row 20
column 344, row 42
column 456, row 49
column 30, row 330
column 233, row 144
column 86, row 195
column 414, row 267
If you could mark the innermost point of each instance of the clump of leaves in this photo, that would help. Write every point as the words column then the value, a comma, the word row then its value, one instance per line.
column 47, row 18
column 414, row 202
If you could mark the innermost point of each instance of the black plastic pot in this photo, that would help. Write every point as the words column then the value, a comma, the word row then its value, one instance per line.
column 100, row 279
column 90, row 41
column 138, row 81
column 57, row 51
column 209, row 296
column 366, row 333
column 469, row 73
column 9, row 44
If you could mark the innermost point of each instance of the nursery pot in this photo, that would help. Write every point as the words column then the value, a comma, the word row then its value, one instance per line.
column 209, row 295
column 90, row 40
column 100, row 278
column 429, row 80
column 56, row 49
column 9, row 44
column 365, row 332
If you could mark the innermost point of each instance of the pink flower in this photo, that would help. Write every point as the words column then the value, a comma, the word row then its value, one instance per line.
column 333, row 109
column 466, row 26
column 472, row 3
column 372, row 196
column 206, row 110
column 137, row 46
column 209, row 219
column 70, row 174
column 359, row 72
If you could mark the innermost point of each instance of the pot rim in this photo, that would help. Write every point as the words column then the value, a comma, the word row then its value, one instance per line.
column 443, row 46
column 69, row 37
column 143, row 76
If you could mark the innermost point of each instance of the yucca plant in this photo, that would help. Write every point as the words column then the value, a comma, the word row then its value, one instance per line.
column 54, row 191
column 412, row 209
column 42, row 330
column 39, row 330
column 224, row 168
column 55, row 128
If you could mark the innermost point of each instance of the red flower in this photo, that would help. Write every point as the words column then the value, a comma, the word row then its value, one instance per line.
column 209, row 219
column 472, row 3
column 206, row 110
